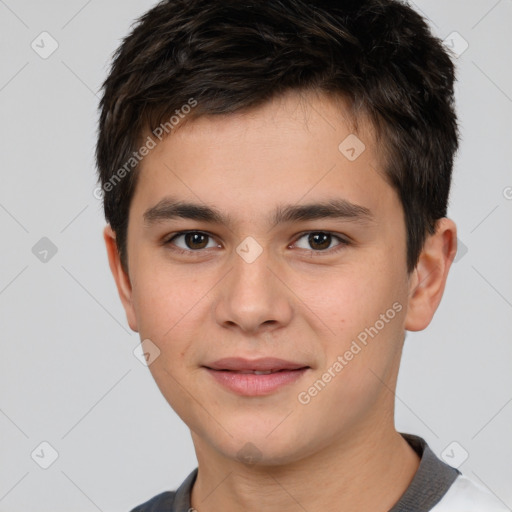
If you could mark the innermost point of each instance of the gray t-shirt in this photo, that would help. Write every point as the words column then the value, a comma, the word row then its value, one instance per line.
column 430, row 484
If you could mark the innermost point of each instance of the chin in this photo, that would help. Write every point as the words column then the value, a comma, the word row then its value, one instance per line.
column 259, row 448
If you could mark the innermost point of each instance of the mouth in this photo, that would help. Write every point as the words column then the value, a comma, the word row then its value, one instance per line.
column 256, row 372
column 256, row 377
column 261, row 366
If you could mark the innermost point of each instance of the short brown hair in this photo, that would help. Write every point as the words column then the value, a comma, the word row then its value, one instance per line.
column 231, row 56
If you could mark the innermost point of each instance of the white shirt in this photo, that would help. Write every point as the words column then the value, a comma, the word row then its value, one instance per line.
column 466, row 495
column 436, row 487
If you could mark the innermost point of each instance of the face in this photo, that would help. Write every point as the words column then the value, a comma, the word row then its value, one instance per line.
column 255, row 268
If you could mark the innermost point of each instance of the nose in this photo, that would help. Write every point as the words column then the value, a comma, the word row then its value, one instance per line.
column 252, row 299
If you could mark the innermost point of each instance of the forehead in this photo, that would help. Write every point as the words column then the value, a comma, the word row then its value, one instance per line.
column 296, row 147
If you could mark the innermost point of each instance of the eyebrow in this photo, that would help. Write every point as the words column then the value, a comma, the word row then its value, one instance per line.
column 169, row 208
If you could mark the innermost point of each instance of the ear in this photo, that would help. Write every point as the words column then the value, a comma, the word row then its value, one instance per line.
column 121, row 278
column 428, row 279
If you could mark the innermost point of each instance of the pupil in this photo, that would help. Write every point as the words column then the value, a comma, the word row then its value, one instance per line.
column 194, row 239
column 321, row 239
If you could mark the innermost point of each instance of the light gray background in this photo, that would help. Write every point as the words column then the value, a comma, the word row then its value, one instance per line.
column 68, row 375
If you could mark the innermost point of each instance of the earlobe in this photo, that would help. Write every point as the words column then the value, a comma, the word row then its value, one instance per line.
column 428, row 280
column 121, row 278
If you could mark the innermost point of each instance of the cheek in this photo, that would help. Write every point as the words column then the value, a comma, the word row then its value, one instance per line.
column 357, row 316
column 171, row 307
column 343, row 301
column 163, row 298
column 355, row 377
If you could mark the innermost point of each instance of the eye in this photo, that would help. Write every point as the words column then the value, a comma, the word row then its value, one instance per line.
column 319, row 241
column 192, row 241
column 189, row 242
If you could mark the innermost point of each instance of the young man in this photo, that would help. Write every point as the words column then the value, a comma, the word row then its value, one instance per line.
column 275, row 177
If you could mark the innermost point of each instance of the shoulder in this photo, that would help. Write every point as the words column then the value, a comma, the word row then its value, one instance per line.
column 171, row 501
column 466, row 495
column 159, row 503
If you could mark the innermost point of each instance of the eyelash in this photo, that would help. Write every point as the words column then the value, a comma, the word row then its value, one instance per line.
column 341, row 245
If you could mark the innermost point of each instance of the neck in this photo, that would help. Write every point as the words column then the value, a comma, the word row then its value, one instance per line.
column 369, row 472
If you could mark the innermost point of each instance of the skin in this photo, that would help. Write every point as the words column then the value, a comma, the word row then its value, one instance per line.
column 340, row 451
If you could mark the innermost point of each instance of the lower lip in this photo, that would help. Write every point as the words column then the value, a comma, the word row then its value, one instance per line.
column 250, row 384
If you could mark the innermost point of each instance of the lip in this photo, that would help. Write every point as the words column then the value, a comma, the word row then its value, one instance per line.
column 261, row 364
column 228, row 373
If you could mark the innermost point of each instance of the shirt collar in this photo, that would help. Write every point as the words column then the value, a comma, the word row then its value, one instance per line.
column 428, row 486
column 430, row 482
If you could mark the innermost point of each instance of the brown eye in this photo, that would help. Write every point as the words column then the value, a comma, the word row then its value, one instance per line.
column 321, row 241
column 192, row 241
column 196, row 240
